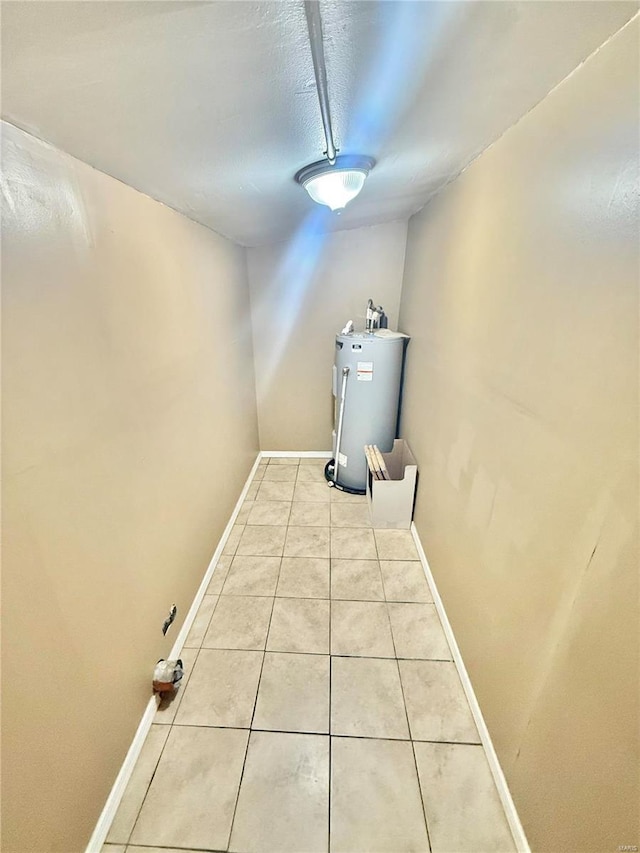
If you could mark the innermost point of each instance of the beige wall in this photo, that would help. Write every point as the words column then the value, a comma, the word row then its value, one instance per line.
column 129, row 428
column 302, row 294
column 521, row 297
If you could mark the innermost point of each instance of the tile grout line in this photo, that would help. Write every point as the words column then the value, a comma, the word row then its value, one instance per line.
column 324, row 734
column 123, row 778
column 404, row 701
column 155, row 769
column 320, row 654
column 154, row 847
column 244, row 761
column 264, row 657
column 500, row 782
column 314, row 597
column 255, row 704
column 215, row 607
column 172, row 724
column 146, row 793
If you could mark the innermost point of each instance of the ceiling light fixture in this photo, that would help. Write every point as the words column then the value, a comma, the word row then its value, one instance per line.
column 335, row 181
column 335, row 185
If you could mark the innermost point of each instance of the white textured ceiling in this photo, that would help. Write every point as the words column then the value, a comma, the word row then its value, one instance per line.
column 211, row 107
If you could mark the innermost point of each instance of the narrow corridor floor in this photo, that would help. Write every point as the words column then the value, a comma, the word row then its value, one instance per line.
column 320, row 709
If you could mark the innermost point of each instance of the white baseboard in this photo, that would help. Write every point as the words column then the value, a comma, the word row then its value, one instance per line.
column 510, row 810
column 306, row 454
column 206, row 580
column 122, row 779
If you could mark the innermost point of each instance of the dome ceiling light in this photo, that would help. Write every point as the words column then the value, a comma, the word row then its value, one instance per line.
column 335, row 181
column 335, row 185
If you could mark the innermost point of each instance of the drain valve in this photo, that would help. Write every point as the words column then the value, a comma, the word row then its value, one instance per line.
column 166, row 677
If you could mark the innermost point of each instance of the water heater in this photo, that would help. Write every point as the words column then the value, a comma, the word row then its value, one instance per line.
column 367, row 374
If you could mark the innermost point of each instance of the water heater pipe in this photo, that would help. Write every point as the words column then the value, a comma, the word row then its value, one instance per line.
column 314, row 24
column 343, row 395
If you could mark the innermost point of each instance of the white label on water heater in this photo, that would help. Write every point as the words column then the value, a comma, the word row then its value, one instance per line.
column 342, row 460
column 365, row 371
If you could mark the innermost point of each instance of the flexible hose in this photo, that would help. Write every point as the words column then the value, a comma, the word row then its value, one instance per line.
column 329, row 473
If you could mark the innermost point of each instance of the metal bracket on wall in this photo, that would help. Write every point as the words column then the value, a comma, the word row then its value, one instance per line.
column 168, row 622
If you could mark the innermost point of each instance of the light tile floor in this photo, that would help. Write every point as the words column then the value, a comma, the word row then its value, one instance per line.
column 320, row 709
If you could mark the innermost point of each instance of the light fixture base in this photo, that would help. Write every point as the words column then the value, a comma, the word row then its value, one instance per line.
column 343, row 163
column 335, row 185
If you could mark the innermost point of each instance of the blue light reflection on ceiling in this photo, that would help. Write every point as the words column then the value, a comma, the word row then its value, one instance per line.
column 408, row 39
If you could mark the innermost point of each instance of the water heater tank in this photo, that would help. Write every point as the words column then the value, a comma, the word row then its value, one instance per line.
column 371, row 400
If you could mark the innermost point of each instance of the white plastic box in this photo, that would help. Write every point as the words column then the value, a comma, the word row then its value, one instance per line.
column 391, row 501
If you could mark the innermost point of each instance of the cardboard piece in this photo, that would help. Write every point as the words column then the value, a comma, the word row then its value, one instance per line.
column 391, row 501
